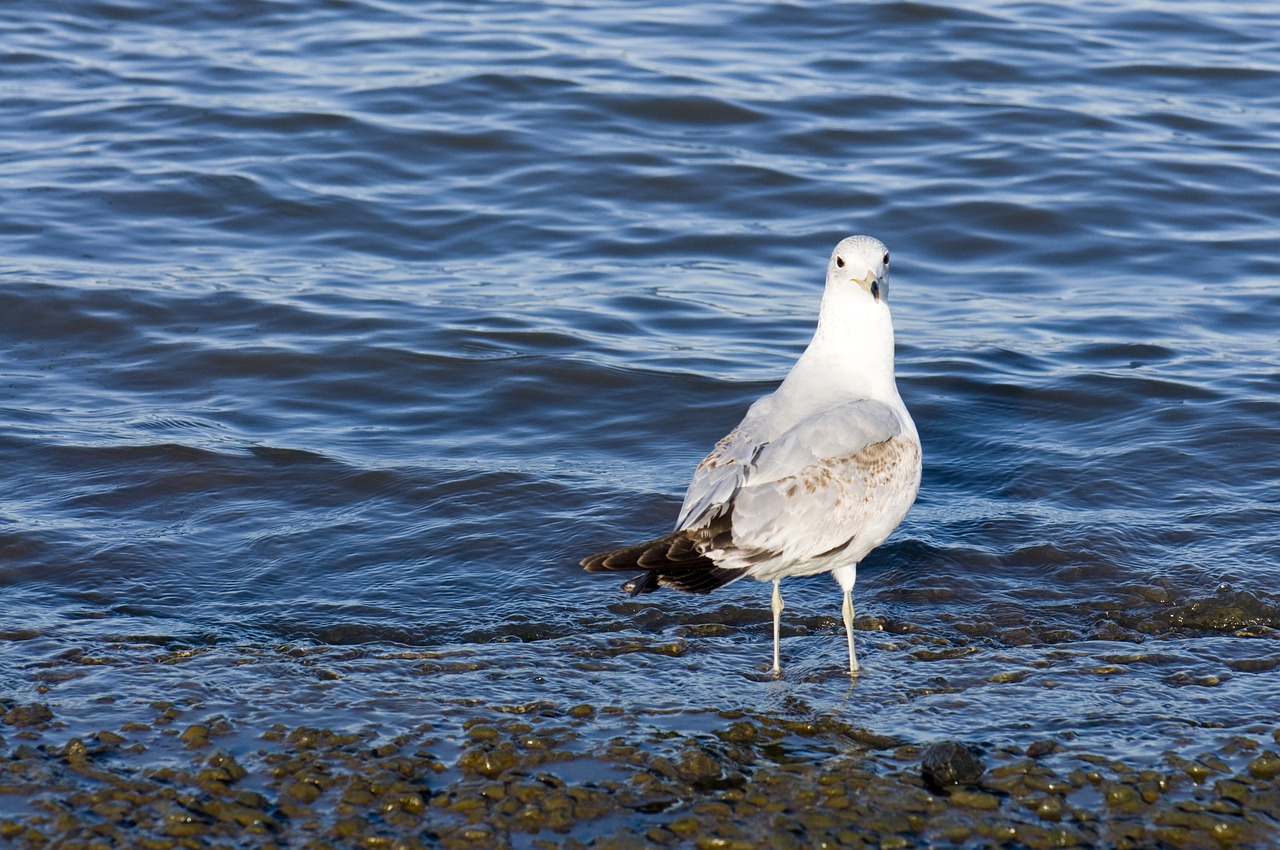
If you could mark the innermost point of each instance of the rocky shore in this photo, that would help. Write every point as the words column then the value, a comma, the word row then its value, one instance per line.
column 544, row 775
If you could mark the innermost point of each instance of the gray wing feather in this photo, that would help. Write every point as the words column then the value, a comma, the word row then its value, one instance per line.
column 839, row 475
column 719, row 476
column 837, row 432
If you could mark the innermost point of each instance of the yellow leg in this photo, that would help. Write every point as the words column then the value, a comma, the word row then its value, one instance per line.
column 848, row 627
column 777, row 628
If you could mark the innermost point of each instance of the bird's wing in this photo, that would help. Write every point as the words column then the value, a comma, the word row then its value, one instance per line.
column 828, row 434
column 722, row 472
column 718, row 477
column 840, row 476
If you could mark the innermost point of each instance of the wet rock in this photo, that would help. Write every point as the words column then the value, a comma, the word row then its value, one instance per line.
column 697, row 767
column 621, row 840
column 873, row 741
column 28, row 715
column 483, row 734
column 1050, row 808
column 943, row 654
column 1040, row 749
column 304, row 792
column 195, row 735
column 1265, row 766
column 108, row 739
column 1149, row 790
column 1121, row 797
column 976, row 800
column 741, row 732
column 812, row 784
column 1009, row 677
column 685, row 827
column 488, row 763
column 75, row 750
column 1231, row 789
column 222, row 768
column 1253, row 665
column 659, row 836
column 1048, row 783
column 950, row 763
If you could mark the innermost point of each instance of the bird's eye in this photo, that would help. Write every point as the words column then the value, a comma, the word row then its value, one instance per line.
column 840, row 262
column 886, row 258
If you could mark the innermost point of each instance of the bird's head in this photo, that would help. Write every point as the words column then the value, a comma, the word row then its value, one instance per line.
column 861, row 261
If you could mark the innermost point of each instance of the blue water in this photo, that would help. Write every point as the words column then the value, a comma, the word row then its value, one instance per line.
column 334, row 334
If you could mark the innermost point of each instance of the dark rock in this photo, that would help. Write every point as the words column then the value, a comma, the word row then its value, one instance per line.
column 1040, row 749
column 28, row 715
column 950, row 763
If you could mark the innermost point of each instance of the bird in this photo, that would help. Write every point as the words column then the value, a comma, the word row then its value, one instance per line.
column 816, row 475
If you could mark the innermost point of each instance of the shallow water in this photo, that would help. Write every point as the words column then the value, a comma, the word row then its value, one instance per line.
column 335, row 334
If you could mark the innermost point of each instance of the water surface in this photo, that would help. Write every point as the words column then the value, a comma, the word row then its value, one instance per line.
column 333, row 335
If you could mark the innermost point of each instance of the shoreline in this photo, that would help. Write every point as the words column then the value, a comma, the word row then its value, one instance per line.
column 548, row 776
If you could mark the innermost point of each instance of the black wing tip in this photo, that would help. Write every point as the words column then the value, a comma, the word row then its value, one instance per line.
column 696, row 580
column 645, row 583
column 699, row 579
column 672, row 561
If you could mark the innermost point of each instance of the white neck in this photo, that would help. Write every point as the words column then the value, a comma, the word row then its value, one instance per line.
column 851, row 354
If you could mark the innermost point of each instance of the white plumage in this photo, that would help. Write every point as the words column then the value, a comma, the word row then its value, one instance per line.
column 817, row 474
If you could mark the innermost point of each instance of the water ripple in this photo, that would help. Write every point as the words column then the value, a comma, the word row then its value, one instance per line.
column 332, row 335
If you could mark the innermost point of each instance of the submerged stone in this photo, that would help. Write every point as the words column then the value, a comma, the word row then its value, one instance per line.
column 950, row 763
column 28, row 715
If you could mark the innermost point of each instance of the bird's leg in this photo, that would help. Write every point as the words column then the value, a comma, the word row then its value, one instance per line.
column 848, row 627
column 777, row 627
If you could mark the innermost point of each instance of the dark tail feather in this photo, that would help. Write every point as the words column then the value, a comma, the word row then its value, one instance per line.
column 643, row 583
column 672, row 561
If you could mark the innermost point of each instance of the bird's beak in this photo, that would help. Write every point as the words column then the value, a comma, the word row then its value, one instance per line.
column 870, row 283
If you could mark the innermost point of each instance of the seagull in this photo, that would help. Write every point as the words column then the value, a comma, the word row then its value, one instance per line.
column 816, row 475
